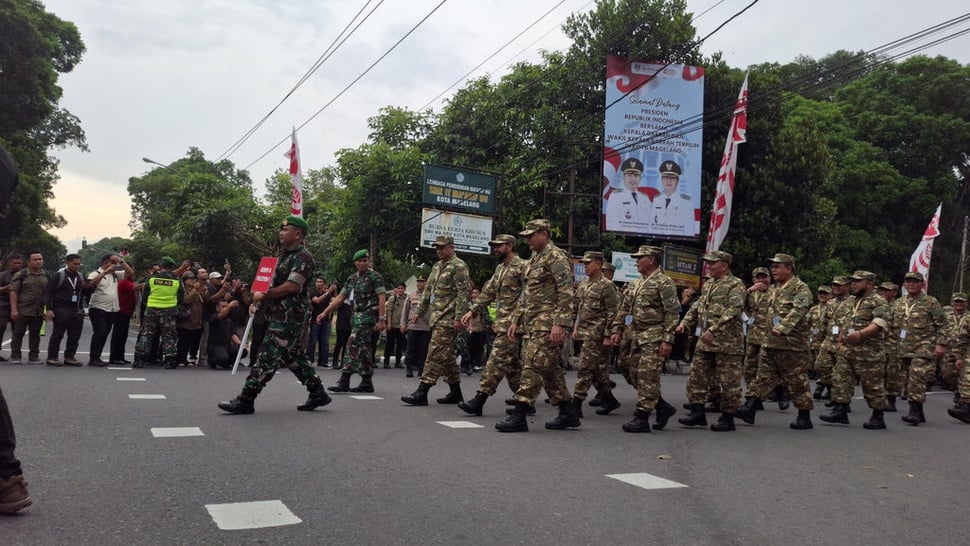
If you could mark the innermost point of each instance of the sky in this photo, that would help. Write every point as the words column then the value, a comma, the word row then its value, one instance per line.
column 161, row 77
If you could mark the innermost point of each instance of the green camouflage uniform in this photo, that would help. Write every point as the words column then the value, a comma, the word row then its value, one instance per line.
column 720, row 362
column 816, row 315
column 362, row 290
column 446, row 295
column 784, row 358
column 828, row 353
column 756, row 307
column 505, row 290
column 962, row 351
column 652, row 310
column 596, row 302
column 894, row 373
column 287, row 320
column 546, row 302
column 948, row 367
column 921, row 327
column 865, row 361
column 626, row 356
column 159, row 321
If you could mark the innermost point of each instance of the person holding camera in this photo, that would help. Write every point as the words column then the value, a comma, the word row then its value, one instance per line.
column 103, row 307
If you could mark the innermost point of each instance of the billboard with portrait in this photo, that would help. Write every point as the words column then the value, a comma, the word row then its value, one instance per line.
column 652, row 149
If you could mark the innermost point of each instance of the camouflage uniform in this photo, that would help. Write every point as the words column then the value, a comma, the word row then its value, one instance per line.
column 756, row 308
column 159, row 320
column 546, row 302
column 962, row 351
column 863, row 361
column 719, row 310
column 287, row 320
column 948, row 367
column 505, row 290
column 828, row 353
column 596, row 302
column 627, row 357
column 816, row 316
column 894, row 374
column 652, row 311
column 921, row 326
column 362, row 290
column 784, row 358
column 446, row 296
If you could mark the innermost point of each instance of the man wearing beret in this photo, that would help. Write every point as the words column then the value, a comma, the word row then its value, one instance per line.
column 542, row 319
column 287, row 308
column 784, row 356
column 446, row 296
column 921, row 323
column 504, row 289
column 862, row 356
column 828, row 352
column 648, row 314
column 366, row 293
column 163, row 294
column 673, row 213
column 715, row 320
column 628, row 208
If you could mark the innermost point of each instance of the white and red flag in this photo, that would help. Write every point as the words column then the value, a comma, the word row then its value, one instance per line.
column 920, row 261
column 721, row 211
column 296, row 178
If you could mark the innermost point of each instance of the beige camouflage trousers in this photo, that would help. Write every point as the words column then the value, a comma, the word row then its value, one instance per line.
column 894, row 381
column 965, row 384
column 540, row 368
column 949, row 371
column 920, row 371
column 752, row 355
column 594, row 369
column 710, row 370
column 785, row 368
column 824, row 365
column 646, row 374
column 502, row 363
column 870, row 373
column 442, row 360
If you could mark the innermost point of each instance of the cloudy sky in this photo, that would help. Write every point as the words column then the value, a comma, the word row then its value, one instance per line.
column 161, row 76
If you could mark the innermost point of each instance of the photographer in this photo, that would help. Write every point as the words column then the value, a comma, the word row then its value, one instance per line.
column 102, row 285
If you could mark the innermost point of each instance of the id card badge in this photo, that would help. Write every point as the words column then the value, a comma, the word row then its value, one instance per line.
column 851, row 331
column 628, row 320
column 902, row 334
column 73, row 298
column 697, row 331
column 835, row 330
column 775, row 321
column 431, row 302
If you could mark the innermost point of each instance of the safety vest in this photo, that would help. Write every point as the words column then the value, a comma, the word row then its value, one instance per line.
column 163, row 292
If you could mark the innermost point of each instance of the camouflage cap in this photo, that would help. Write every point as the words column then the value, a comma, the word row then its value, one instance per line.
column 824, row 289
column 959, row 296
column 760, row 271
column 913, row 275
column 840, row 280
column 443, row 240
column 608, row 266
column 718, row 256
column 503, row 239
column 591, row 255
column 782, row 259
column 888, row 286
column 860, row 275
column 533, row 226
column 647, row 250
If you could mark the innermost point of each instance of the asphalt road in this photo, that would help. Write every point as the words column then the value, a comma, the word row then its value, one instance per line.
column 379, row 472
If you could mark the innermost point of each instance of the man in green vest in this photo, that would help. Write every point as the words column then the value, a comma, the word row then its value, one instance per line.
column 163, row 294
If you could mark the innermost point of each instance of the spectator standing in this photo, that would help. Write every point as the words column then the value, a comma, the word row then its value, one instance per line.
column 28, row 292
column 318, row 347
column 345, row 324
column 418, row 333
column 66, row 309
column 395, row 337
column 127, row 299
column 189, row 324
column 477, row 327
column 14, row 263
column 103, row 305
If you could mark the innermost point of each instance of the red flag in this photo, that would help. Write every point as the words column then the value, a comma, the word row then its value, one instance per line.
column 296, row 178
column 920, row 261
column 721, row 211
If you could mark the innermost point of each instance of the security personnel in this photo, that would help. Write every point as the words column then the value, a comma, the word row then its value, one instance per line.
column 673, row 213
column 628, row 208
column 163, row 294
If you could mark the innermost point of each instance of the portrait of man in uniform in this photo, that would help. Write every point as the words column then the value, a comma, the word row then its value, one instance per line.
column 628, row 209
column 673, row 211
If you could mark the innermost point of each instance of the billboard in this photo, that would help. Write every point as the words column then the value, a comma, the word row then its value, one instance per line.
column 652, row 149
column 681, row 264
column 459, row 189
column 471, row 233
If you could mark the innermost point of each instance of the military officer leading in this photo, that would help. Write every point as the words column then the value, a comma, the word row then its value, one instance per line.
column 628, row 208
column 673, row 213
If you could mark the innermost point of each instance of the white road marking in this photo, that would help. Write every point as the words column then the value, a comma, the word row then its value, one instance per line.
column 460, row 424
column 129, row 378
column 251, row 515
column 176, row 432
column 146, row 396
column 120, row 368
column 365, row 397
column 646, row 481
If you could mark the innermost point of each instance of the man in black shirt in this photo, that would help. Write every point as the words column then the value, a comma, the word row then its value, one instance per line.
column 223, row 341
column 65, row 307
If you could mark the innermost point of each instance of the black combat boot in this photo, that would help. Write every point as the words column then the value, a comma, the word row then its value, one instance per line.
column 915, row 416
column 418, row 397
column 696, row 417
column 510, row 401
column 454, row 394
column 475, row 405
column 343, row 384
column 747, row 411
column 725, row 423
column 530, row 411
column 639, row 423
column 781, row 396
column 567, row 417
column 961, row 412
column 875, row 422
column 827, row 395
column 712, row 406
column 819, row 391
column 890, row 404
column 803, row 421
column 610, row 403
column 515, row 422
column 242, row 404
column 577, row 406
column 839, row 414
column 318, row 396
column 597, row 400
column 664, row 412
column 366, row 385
